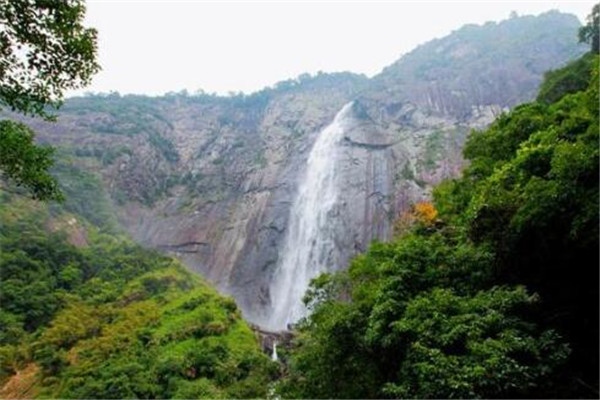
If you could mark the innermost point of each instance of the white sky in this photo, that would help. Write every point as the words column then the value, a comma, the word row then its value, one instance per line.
column 153, row 47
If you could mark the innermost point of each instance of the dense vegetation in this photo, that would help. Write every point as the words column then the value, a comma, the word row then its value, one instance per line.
column 492, row 293
column 26, row 164
column 44, row 50
column 108, row 319
column 570, row 79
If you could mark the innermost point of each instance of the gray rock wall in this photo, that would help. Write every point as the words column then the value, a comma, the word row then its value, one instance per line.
column 211, row 179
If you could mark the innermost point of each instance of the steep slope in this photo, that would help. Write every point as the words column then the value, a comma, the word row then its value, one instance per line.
column 494, row 64
column 211, row 179
column 86, row 314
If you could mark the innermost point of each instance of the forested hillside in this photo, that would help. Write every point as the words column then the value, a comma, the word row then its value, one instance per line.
column 492, row 291
column 86, row 313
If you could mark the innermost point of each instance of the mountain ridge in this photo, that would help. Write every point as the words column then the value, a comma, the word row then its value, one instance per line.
column 223, row 171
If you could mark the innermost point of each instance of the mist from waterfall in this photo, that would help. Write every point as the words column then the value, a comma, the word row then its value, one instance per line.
column 309, row 241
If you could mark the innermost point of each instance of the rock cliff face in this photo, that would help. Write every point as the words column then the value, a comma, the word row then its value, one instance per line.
column 211, row 179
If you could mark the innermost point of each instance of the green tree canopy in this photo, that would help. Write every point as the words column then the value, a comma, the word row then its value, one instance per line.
column 590, row 32
column 26, row 164
column 44, row 50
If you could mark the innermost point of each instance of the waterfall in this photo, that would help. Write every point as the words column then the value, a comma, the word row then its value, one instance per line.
column 309, row 242
column 274, row 354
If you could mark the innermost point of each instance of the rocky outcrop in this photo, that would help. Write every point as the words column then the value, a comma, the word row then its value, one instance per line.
column 211, row 179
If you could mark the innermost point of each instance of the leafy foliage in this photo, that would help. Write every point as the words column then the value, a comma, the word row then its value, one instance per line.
column 570, row 79
column 45, row 50
column 468, row 347
column 26, row 164
column 492, row 293
column 590, row 32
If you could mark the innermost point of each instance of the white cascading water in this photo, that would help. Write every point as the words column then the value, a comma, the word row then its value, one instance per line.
column 310, row 236
column 274, row 356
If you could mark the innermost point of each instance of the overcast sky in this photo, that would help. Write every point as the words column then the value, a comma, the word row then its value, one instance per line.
column 153, row 47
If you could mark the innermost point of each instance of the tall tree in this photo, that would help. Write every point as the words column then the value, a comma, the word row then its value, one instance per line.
column 44, row 51
column 590, row 32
